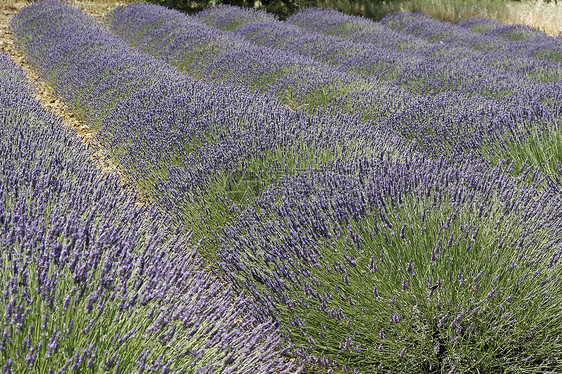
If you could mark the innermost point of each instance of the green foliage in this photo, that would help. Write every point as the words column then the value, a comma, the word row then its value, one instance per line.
column 541, row 146
column 458, row 309
column 375, row 9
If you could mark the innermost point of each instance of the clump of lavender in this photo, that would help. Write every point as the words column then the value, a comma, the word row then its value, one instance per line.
column 215, row 55
column 91, row 281
column 520, row 38
column 410, row 266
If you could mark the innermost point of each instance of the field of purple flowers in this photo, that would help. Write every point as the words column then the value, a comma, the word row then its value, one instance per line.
column 325, row 191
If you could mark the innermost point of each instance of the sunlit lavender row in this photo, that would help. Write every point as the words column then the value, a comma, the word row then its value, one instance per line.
column 210, row 54
column 451, row 120
column 394, row 49
column 91, row 281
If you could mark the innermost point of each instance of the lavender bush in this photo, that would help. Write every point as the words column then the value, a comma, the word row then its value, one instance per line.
column 199, row 149
column 91, row 281
column 437, row 41
column 413, row 266
column 210, row 54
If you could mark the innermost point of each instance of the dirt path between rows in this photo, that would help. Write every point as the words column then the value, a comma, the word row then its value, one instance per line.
column 45, row 93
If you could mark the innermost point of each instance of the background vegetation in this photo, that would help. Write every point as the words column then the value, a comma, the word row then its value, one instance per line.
column 542, row 14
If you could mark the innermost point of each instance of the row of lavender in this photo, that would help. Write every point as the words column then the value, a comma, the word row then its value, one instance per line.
column 519, row 40
column 397, row 42
column 376, row 262
column 452, row 109
column 208, row 53
column 456, row 70
column 90, row 280
column 416, row 266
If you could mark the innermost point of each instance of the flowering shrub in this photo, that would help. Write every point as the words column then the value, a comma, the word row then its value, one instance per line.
column 412, row 266
column 91, row 281
column 447, row 97
column 210, row 54
column 199, row 149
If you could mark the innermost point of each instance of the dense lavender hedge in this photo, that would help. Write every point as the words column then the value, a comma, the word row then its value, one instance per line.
column 210, row 54
column 448, row 113
column 441, row 41
column 521, row 38
column 91, row 281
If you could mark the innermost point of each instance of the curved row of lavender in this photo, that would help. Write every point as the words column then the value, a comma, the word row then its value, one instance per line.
column 91, row 281
column 199, row 149
column 210, row 54
column 497, row 36
column 392, row 49
column 459, row 120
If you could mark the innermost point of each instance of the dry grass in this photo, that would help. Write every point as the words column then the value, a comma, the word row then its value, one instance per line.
column 545, row 16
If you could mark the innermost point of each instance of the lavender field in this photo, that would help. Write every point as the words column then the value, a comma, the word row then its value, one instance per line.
column 327, row 194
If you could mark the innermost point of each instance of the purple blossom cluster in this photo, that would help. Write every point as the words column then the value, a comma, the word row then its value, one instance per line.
column 415, row 265
column 90, row 280
column 515, row 33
